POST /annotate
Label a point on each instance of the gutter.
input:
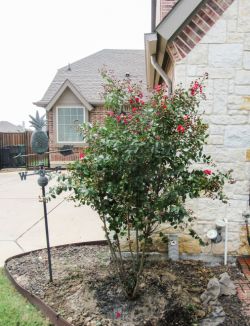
(162, 73)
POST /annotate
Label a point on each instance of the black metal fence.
(18, 144)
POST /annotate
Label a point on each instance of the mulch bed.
(86, 292)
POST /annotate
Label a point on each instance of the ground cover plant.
(14, 309)
(140, 166)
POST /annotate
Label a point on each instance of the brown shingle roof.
(85, 73)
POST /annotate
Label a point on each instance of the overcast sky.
(40, 36)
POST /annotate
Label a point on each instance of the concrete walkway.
(22, 224)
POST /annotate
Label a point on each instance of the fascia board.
(150, 49)
(177, 17)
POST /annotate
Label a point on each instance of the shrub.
(138, 169)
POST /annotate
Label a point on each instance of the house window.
(68, 121)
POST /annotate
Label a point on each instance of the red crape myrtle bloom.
(81, 156)
(110, 113)
(207, 172)
(180, 129)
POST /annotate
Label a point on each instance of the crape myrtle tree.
(139, 168)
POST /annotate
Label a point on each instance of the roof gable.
(74, 90)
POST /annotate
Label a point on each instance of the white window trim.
(69, 107)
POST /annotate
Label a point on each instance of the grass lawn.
(14, 309)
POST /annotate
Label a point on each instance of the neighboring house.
(193, 37)
(6, 126)
(75, 96)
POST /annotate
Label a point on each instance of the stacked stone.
(224, 53)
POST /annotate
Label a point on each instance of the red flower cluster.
(110, 113)
(81, 156)
(207, 172)
(158, 88)
(196, 87)
(180, 129)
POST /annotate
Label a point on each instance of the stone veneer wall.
(225, 54)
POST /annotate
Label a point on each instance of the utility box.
(173, 247)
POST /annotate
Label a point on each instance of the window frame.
(57, 122)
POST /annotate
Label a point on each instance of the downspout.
(153, 15)
(162, 73)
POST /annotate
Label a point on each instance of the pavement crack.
(34, 224)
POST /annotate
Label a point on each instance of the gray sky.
(40, 36)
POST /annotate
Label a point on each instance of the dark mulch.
(86, 292)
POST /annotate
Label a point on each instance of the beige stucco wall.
(225, 54)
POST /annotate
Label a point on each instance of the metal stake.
(47, 233)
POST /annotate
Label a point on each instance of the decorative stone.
(248, 155)
(246, 103)
(227, 287)
(242, 77)
(225, 55)
(198, 55)
(237, 136)
(212, 293)
(246, 60)
(243, 16)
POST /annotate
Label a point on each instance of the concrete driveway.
(22, 223)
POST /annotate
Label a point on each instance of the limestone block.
(199, 55)
(231, 86)
(242, 90)
(242, 77)
(246, 60)
(232, 25)
(237, 136)
(241, 187)
(235, 37)
(220, 86)
(216, 73)
(226, 155)
(210, 210)
(244, 248)
(216, 140)
(216, 130)
(243, 17)
(239, 170)
(220, 104)
(247, 41)
(228, 120)
(180, 73)
(245, 105)
(234, 99)
(189, 245)
(225, 55)
(192, 70)
(206, 107)
(248, 155)
(217, 34)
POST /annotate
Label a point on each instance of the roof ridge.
(98, 53)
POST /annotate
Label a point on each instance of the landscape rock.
(227, 287)
(212, 293)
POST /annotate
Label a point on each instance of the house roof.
(182, 28)
(6, 126)
(84, 75)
